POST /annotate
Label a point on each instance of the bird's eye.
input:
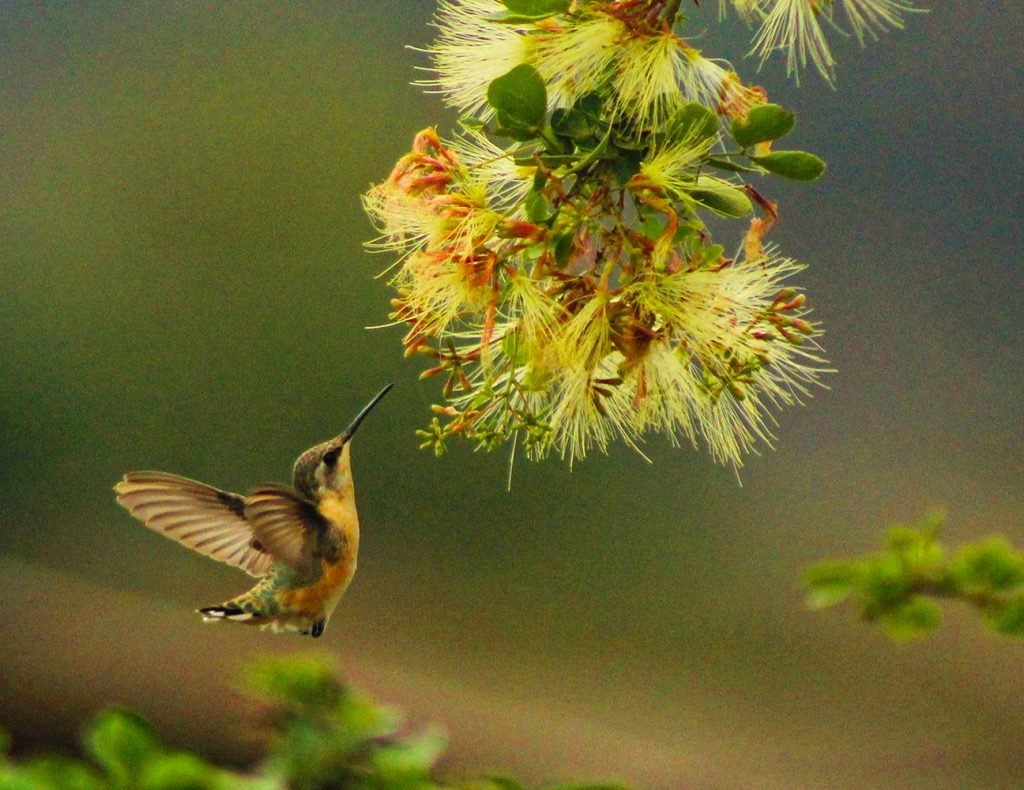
(331, 457)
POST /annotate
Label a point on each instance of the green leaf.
(626, 165)
(1007, 618)
(913, 619)
(178, 771)
(295, 680)
(508, 126)
(886, 583)
(830, 583)
(538, 209)
(121, 743)
(563, 248)
(721, 197)
(622, 141)
(711, 255)
(515, 351)
(573, 123)
(520, 99)
(763, 122)
(823, 595)
(472, 122)
(688, 228)
(991, 565)
(653, 226)
(529, 10)
(411, 759)
(590, 105)
(691, 122)
(918, 550)
(51, 773)
(902, 538)
(797, 165)
(551, 161)
(684, 233)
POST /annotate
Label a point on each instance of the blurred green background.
(183, 287)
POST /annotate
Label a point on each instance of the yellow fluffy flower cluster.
(566, 284)
(612, 333)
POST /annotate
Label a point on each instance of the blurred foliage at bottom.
(322, 735)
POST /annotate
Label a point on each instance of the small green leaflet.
(531, 10)
(763, 122)
(798, 165)
(520, 99)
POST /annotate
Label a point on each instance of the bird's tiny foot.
(318, 629)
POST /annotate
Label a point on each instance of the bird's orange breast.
(323, 594)
(320, 598)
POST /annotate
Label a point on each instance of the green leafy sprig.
(900, 587)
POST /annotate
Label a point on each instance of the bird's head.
(327, 466)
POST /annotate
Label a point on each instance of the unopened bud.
(796, 302)
(430, 373)
(783, 296)
(426, 140)
(796, 340)
(519, 229)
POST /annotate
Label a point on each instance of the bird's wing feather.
(288, 526)
(204, 518)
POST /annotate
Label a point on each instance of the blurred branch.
(899, 586)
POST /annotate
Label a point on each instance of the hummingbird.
(301, 540)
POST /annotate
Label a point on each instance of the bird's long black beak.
(351, 429)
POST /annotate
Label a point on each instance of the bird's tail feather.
(231, 613)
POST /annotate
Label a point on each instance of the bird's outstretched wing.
(291, 528)
(199, 516)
